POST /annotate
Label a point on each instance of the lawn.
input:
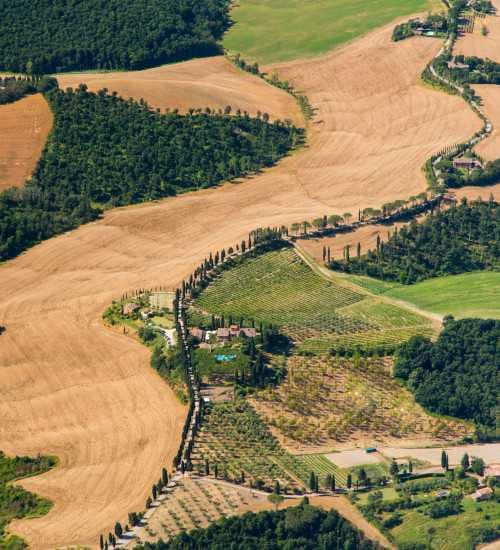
(282, 30)
(466, 295)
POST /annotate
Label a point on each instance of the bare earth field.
(476, 44)
(24, 127)
(489, 149)
(211, 82)
(71, 388)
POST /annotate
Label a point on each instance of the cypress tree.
(349, 481)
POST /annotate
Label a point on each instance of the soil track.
(212, 82)
(24, 127)
(71, 388)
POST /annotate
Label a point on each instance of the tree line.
(13, 88)
(104, 151)
(302, 526)
(466, 237)
(459, 374)
(67, 35)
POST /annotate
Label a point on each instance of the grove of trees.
(303, 526)
(12, 88)
(463, 238)
(65, 35)
(104, 151)
(459, 374)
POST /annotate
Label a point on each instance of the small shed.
(482, 494)
(130, 308)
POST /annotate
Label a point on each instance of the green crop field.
(317, 314)
(282, 30)
(466, 295)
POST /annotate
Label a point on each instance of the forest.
(463, 238)
(104, 151)
(459, 374)
(50, 36)
(303, 526)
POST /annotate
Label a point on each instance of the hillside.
(90, 396)
(458, 240)
(140, 154)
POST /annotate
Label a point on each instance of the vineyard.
(237, 446)
(324, 401)
(322, 467)
(318, 315)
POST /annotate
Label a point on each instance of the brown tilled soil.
(24, 127)
(482, 46)
(72, 388)
(489, 148)
(213, 82)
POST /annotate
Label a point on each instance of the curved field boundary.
(109, 403)
(24, 128)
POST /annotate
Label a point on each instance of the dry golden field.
(211, 82)
(489, 148)
(483, 46)
(24, 127)
(71, 388)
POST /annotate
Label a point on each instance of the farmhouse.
(493, 471)
(455, 65)
(223, 335)
(466, 163)
(130, 308)
(482, 494)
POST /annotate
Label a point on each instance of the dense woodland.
(459, 375)
(463, 238)
(303, 526)
(49, 36)
(104, 151)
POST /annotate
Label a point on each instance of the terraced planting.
(324, 401)
(196, 503)
(318, 315)
(234, 440)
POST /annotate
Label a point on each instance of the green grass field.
(457, 532)
(467, 295)
(318, 314)
(269, 31)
